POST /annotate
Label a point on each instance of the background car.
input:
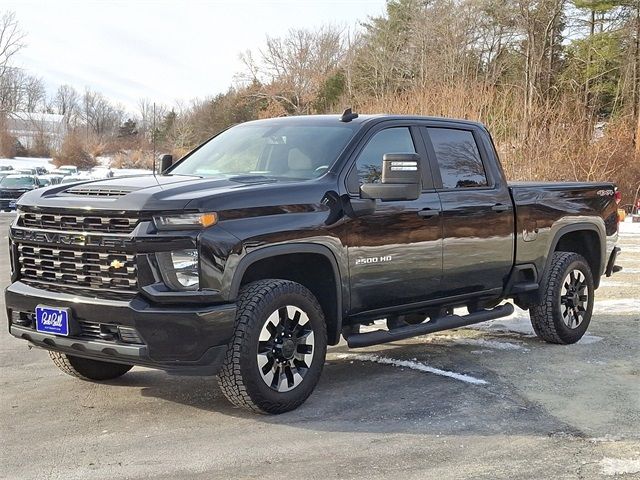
(60, 172)
(25, 171)
(50, 179)
(12, 187)
(76, 178)
(73, 170)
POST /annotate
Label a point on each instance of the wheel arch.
(585, 239)
(311, 265)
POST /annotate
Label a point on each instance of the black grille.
(77, 223)
(99, 192)
(95, 270)
(90, 330)
(13, 194)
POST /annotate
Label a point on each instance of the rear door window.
(458, 158)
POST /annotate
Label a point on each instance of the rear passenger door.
(477, 211)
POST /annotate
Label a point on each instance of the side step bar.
(359, 340)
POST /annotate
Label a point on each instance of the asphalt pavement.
(491, 402)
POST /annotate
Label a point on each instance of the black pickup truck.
(277, 237)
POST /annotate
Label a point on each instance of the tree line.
(556, 81)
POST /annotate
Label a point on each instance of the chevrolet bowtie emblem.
(117, 264)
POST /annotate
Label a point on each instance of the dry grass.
(552, 142)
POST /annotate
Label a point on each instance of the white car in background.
(50, 179)
(83, 177)
(72, 169)
(101, 172)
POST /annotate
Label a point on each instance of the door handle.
(427, 212)
(499, 207)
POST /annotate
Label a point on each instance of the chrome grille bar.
(78, 268)
(77, 223)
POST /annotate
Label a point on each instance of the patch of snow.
(478, 342)
(611, 283)
(27, 162)
(629, 227)
(621, 305)
(633, 271)
(517, 322)
(607, 438)
(589, 339)
(413, 365)
(629, 249)
(619, 466)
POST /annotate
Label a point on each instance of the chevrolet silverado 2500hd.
(277, 237)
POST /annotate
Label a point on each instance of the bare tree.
(34, 94)
(147, 109)
(66, 102)
(11, 40)
(295, 66)
(99, 115)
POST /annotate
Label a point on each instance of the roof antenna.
(348, 115)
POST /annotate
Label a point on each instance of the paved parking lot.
(487, 402)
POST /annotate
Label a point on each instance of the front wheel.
(276, 355)
(564, 313)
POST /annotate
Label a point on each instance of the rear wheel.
(88, 369)
(275, 358)
(564, 314)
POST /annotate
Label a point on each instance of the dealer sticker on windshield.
(52, 320)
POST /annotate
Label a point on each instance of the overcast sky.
(162, 50)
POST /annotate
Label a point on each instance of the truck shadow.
(355, 396)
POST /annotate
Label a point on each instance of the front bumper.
(8, 204)
(181, 339)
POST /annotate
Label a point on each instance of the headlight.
(188, 220)
(179, 269)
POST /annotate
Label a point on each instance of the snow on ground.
(413, 365)
(475, 342)
(629, 228)
(613, 283)
(618, 305)
(619, 466)
(104, 162)
(27, 162)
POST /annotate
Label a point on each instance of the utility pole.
(153, 137)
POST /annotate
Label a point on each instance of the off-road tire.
(239, 378)
(546, 317)
(87, 369)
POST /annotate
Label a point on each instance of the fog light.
(22, 319)
(179, 269)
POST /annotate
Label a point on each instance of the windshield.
(300, 152)
(16, 182)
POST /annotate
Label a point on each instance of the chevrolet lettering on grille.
(67, 239)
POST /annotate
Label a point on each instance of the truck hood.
(146, 193)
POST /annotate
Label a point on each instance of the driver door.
(395, 254)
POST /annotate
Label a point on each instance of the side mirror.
(401, 179)
(165, 162)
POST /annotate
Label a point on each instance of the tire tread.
(92, 371)
(230, 378)
(542, 315)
